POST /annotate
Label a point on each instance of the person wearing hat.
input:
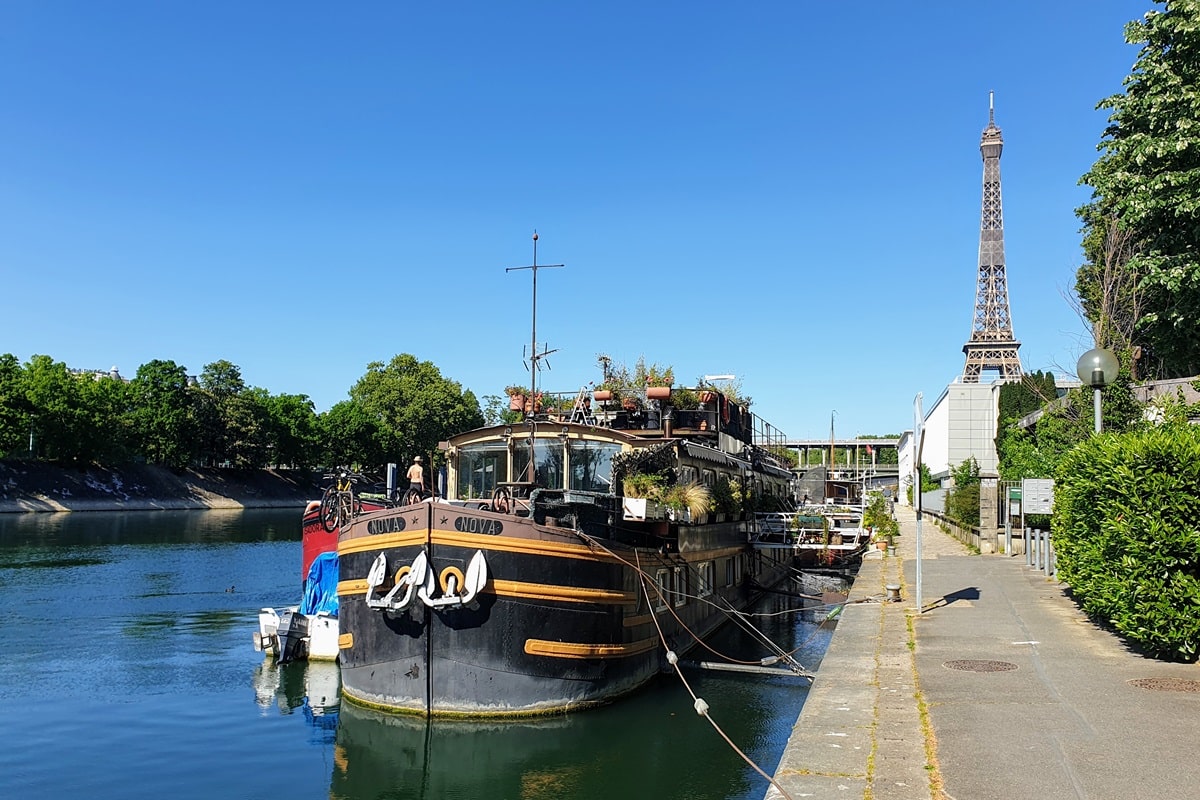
(416, 476)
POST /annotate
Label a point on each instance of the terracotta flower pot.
(602, 394)
(658, 392)
(516, 402)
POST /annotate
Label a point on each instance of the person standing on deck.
(416, 475)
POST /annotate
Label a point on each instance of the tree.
(1146, 186)
(416, 405)
(162, 415)
(351, 435)
(14, 407)
(493, 409)
(105, 433)
(962, 503)
(294, 430)
(56, 405)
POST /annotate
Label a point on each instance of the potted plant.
(687, 502)
(887, 531)
(643, 496)
(517, 397)
(658, 380)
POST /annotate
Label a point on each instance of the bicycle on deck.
(339, 503)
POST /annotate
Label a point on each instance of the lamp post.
(1097, 368)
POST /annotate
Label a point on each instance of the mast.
(534, 356)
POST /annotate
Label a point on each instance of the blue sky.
(786, 191)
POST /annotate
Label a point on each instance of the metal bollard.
(1028, 550)
(1008, 539)
(1051, 568)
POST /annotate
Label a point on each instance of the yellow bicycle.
(339, 504)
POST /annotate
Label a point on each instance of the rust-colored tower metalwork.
(992, 345)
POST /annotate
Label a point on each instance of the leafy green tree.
(56, 405)
(247, 429)
(1021, 398)
(962, 503)
(1146, 192)
(14, 407)
(353, 436)
(294, 430)
(493, 409)
(416, 405)
(928, 484)
(105, 434)
(221, 416)
(162, 415)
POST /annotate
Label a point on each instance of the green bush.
(1127, 535)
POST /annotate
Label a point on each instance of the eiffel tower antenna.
(534, 355)
(992, 344)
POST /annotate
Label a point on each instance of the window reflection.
(591, 465)
(547, 466)
(480, 468)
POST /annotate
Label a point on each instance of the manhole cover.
(1167, 684)
(973, 665)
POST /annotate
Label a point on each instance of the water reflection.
(313, 688)
(651, 744)
(150, 527)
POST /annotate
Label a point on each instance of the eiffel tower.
(991, 345)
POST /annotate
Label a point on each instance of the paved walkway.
(1001, 688)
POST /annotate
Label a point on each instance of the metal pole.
(918, 446)
(1028, 545)
(1096, 406)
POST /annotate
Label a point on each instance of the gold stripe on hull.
(361, 544)
(476, 541)
(357, 586)
(569, 594)
(526, 591)
(542, 647)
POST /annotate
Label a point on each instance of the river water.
(127, 671)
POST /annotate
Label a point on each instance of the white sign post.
(918, 446)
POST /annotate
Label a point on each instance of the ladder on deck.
(581, 412)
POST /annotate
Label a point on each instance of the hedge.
(1127, 535)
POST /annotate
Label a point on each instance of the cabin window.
(688, 475)
(681, 587)
(710, 478)
(705, 588)
(663, 578)
(547, 462)
(480, 467)
(729, 574)
(591, 465)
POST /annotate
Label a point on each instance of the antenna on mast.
(534, 355)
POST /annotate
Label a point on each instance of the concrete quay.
(1000, 688)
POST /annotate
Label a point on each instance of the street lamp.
(1097, 368)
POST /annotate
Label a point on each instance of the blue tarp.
(320, 587)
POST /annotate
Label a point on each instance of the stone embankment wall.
(35, 486)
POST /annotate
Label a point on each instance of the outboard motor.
(293, 636)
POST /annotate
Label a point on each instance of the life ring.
(447, 574)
